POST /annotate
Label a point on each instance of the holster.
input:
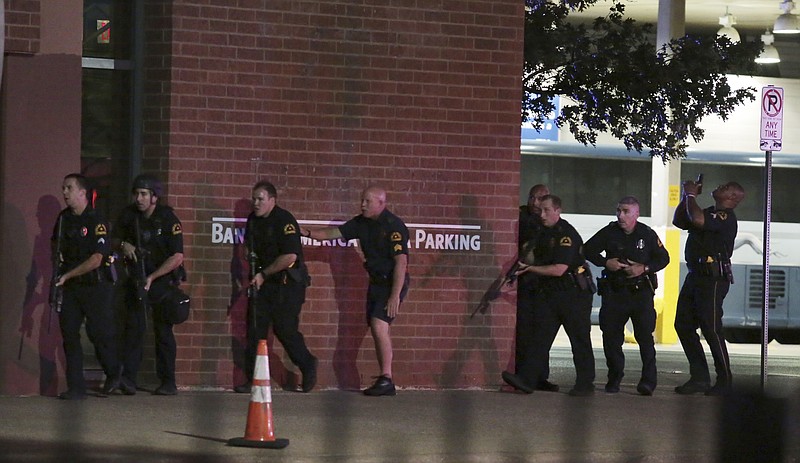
(603, 286)
(109, 268)
(716, 268)
(582, 277)
(300, 275)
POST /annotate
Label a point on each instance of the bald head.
(373, 202)
(729, 195)
(535, 195)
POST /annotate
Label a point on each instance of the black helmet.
(147, 182)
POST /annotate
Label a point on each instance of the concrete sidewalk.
(414, 426)
(423, 426)
(430, 426)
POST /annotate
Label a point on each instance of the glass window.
(752, 179)
(588, 185)
(105, 136)
(106, 108)
(593, 185)
(107, 29)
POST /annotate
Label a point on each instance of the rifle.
(494, 290)
(56, 297)
(140, 275)
(252, 262)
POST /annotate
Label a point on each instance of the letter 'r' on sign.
(771, 119)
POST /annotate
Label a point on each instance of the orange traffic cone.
(260, 431)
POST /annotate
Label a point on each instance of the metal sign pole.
(765, 282)
(772, 102)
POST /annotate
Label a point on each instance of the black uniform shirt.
(161, 233)
(715, 238)
(381, 239)
(81, 237)
(642, 245)
(276, 234)
(559, 244)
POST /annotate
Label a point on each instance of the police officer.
(630, 254)
(530, 225)
(709, 247)
(563, 296)
(529, 221)
(280, 281)
(81, 238)
(150, 237)
(383, 239)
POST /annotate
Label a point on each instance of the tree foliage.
(615, 80)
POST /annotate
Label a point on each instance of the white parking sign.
(771, 118)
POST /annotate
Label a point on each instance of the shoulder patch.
(565, 241)
(100, 229)
(660, 244)
(289, 229)
(176, 229)
(396, 236)
(398, 247)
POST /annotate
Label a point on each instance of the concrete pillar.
(665, 193)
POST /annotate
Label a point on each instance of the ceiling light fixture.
(770, 53)
(727, 29)
(787, 23)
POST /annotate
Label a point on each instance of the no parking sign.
(771, 118)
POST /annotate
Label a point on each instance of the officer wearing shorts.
(383, 239)
(630, 254)
(709, 247)
(88, 289)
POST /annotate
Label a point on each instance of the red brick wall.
(23, 21)
(322, 99)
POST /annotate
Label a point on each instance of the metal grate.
(777, 287)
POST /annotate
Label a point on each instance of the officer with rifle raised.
(562, 297)
(150, 238)
(530, 226)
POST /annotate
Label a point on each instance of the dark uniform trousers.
(525, 335)
(572, 309)
(91, 302)
(135, 323)
(700, 305)
(619, 305)
(278, 304)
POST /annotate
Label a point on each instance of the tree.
(616, 81)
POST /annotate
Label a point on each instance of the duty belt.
(561, 283)
(634, 285)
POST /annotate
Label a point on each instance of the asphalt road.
(431, 426)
